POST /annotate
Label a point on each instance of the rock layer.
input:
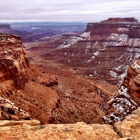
(104, 51)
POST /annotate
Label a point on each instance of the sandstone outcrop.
(13, 62)
(128, 129)
(127, 98)
(12, 71)
(23, 85)
(130, 126)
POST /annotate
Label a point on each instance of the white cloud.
(67, 10)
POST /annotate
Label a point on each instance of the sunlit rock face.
(12, 75)
(22, 85)
(12, 60)
(127, 98)
(104, 51)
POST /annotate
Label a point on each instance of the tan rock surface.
(11, 123)
(130, 127)
(78, 131)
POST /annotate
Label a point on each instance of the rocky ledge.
(128, 129)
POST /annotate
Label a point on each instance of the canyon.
(101, 55)
(73, 83)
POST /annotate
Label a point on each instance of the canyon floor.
(80, 98)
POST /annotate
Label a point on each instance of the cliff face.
(13, 62)
(114, 20)
(127, 98)
(21, 84)
(104, 51)
(115, 25)
(13, 66)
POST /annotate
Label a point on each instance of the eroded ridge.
(127, 98)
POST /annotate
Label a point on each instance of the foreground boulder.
(128, 129)
(78, 131)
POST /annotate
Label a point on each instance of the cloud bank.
(67, 10)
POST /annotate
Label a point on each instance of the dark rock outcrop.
(5, 27)
(114, 20)
(10, 112)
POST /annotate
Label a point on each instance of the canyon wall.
(127, 97)
(104, 51)
(128, 26)
(21, 86)
(13, 62)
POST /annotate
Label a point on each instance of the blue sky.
(67, 10)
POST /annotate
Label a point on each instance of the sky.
(67, 10)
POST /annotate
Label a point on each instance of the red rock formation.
(127, 98)
(103, 54)
(22, 84)
(128, 26)
(69, 96)
(114, 20)
(13, 62)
